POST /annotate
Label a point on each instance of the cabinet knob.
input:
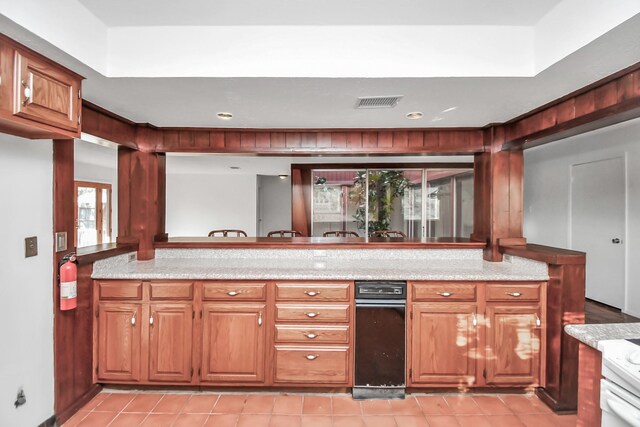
(260, 319)
(312, 315)
(514, 294)
(445, 294)
(311, 356)
(133, 319)
(151, 319)
(475, 320)
(232, 293)
(312, 293)
(27, 93)
(538, 322)
(310, 335)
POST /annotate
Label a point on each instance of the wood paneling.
(611, 100)
(119, 341)
(589, 376)
(170, 342)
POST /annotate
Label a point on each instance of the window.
(419, 202)
(92, 213)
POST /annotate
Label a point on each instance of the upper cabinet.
(38, 98)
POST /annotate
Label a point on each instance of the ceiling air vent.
(378, 101)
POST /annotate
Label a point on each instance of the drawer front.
(172, 290)
(312, 313)
(120, 290)
(229, 291)
(315, 365)
(443, 291)
(312, 334)
(517, 292)
(313, 291)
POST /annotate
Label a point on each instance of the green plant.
(384, 187)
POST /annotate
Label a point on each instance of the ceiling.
(303, 64)
(118, 13)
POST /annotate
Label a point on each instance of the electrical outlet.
(132, 257)
(507, 258)
(21, 399)
(30, 246)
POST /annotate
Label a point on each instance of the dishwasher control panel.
(381, 290)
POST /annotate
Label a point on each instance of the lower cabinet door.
(170, 342)
(233, 343)
(119, 340)
(312, 365)
(513, 344)
(444, 344)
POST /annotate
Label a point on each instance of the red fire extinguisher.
(68, 282)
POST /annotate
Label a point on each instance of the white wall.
(26, 294)
(547, 185)
(95, 163)
(199, 203)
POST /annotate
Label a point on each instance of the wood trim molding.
(611, 100)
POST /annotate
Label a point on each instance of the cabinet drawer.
(317, 365)
(313, 291)
(443, 291)
(120, 290)
(172, 290)
(313, 313)
(507, 292)
(312, 334)
(229, 291)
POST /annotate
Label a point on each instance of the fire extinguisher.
(68, 282)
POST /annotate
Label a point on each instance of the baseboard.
(63, 416)
(49, 422)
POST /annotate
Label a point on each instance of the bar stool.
(389, 233)
(340, 233)
(284, 233)
(227, 233)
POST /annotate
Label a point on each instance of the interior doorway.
(598, 226)
(274, 204)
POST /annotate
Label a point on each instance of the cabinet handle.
(311, 356)
(312, 293)
(260, 319)
(133, 319)
(27, 93)
(445, 294)
(538, 322)
(312, 315)
(310, 335)
(514, 294)
(232, 293)
(475, 320)
(151, 319)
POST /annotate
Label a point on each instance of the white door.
(598, 226)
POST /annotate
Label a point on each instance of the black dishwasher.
(380, 339)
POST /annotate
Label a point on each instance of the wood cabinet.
(119, 341)
(476, 334)
(38, 98)
(313, 333)
(444, 337)
(233, 343)
(170, 342)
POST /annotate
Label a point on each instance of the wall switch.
(61, 241)
(30, 246)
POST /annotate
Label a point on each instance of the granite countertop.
(593, 334)
(245, 264)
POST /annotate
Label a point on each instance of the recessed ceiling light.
(437, 119)
(283, 176)
(415, 115)
(225, 116)
(234, 167)
(449, 109)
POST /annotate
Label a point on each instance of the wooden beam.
(104, 124)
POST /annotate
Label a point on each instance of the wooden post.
(498, 195)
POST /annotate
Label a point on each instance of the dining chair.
(389, 233)
(340, 233)
(284, 233)
(227, 233)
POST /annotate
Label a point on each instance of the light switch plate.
(30, 246)
(61, 241)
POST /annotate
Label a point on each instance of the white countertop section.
(305, 264)
(594, 333)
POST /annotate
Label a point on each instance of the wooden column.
(301, 188)
(73, 334)
(590, 374)
(498, 195)
(141, 195)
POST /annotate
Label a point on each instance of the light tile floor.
(117, 409)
